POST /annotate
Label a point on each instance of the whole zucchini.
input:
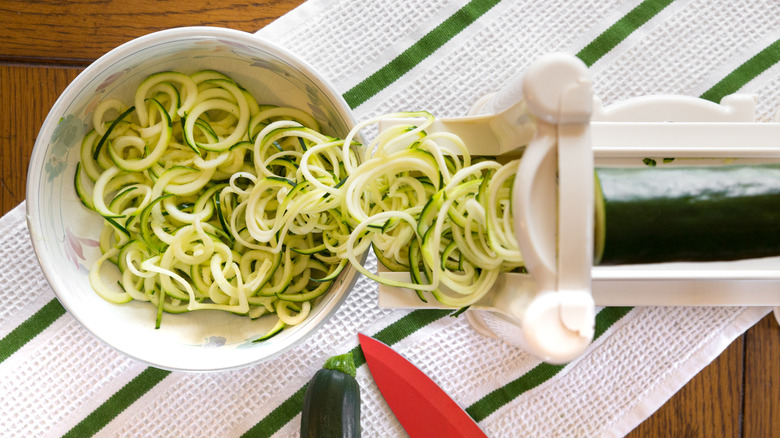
(331, 403)
(687, 213)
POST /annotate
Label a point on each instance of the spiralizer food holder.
(551, 110)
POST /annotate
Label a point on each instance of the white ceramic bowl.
(64, 232)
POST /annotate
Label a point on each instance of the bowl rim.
(36, 164)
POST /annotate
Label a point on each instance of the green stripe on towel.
(30, 328)
(539, 374)
(132, 391)
(280, 416)
(418, 51)
(744, 73)
(622, 28)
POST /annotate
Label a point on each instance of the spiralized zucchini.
(204, 201)
(213, 201)
(430, 212)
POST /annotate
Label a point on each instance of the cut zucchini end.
(343, 362)
(600, 221)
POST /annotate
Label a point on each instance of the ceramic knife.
(421, 406)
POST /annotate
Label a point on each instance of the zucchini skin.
(331, 406)
(697, 213)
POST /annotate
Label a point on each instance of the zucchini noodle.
(211, 200)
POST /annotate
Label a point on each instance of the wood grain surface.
(78, 32)
(45, 44)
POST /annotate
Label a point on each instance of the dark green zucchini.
(331, 403)
(687, 213)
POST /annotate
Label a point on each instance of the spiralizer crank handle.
(553, 207)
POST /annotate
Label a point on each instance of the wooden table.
(44, 45)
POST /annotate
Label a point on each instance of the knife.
(422, 408)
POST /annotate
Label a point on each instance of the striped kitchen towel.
(441, 56)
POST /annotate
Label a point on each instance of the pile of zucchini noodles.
(213, 201)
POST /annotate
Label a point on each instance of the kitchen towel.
(441, 56)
